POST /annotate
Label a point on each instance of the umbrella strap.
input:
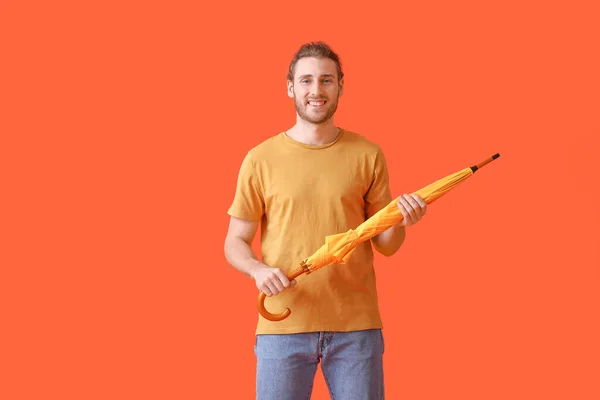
(305, 267)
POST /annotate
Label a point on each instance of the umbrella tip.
(492, 158)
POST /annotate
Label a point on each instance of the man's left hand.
(413, 208)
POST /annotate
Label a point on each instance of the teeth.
(316, 103)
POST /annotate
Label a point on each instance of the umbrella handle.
(261, 297)
(270, 316)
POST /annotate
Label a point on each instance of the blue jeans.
(351, 363)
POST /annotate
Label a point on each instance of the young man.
(314, 180)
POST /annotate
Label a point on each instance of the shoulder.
(362, 143)
(266, 148)
(262, 150)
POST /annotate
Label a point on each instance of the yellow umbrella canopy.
(338, 248)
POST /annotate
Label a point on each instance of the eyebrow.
(322, 75)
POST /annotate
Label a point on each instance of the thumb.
(293, 283)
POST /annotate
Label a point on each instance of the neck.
(313, 134)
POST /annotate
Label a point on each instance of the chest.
(316, 184)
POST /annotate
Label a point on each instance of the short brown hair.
(318, 50)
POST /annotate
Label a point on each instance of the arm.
(388, 242)
(413, 208)
(238, 241)
(378, 196)
(239, 254)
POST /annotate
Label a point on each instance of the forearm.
(240, 255)
(389, 241)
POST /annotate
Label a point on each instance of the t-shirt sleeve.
(248, 201)
(379, 194)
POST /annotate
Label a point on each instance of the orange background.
(123, 128)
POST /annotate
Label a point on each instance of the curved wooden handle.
(270, 316)
(260, 303)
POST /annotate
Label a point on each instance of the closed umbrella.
(338, 248)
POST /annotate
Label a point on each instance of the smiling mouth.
(317, 103)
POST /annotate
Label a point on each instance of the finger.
(421, 202)
(412, 205)
(278, 285)
(415, 206)
(274, 280)
(409, 210)
(272, 288)
(292, 283)
(402, 205)
(283, 278)
(405, 214)
(265, 290)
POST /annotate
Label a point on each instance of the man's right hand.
(271, 281)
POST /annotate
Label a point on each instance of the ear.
(290, 89)
(341, 86)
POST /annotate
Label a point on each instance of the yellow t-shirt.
(302, 193)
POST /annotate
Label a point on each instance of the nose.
(315, 89)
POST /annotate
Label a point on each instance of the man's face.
(315, 89)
